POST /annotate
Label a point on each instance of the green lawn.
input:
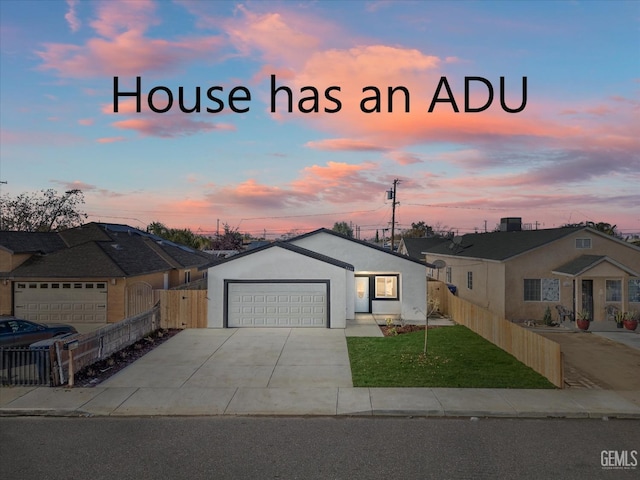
(456, 357)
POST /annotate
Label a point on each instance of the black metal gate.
(25, 366)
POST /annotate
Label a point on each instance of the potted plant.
(619, 318)
(582, 319)
(631, 320)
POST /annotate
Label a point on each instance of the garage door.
(66, 302)
(277, 304)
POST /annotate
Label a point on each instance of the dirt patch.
(93, 375)
(592, 361)
(399, 329)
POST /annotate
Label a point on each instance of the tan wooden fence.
(539, 353)
(183, 308)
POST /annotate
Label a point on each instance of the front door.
(362, 295)
(587, 297)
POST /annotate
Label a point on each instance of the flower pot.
(630, 324)
(582, 324)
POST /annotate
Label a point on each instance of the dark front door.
(587, 297)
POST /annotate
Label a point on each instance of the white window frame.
(546, 290)
(610, 291)
(583, 243)
(634, 290)
(390, 283)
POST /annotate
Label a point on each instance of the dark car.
(17, 332)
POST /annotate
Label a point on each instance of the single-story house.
(93, 274)
(517, 274)
(319, 279)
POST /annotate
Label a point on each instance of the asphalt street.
(316, 448)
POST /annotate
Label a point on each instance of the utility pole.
(391, 195)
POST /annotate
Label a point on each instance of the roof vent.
(117, 246)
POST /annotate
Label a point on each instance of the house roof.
(30, 242)
(100, 250)
(415, 246)
(500, 245)
(361, 242)
(583, 263)
(291, 248)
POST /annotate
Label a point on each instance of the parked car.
(17, 332)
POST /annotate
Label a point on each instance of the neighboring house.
(518, 274)
(414, 248)
(93, 274)
(319, 279)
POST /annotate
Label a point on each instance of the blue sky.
(571, 155)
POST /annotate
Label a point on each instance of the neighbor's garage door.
(277, 305)
(67, 302)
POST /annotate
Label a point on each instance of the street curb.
(46, 412)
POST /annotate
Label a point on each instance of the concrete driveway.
(243, 357)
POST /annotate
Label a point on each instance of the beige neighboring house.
(90, 275)
(518, 274)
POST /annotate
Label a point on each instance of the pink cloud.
(333, 144)
(86, 121)
(71, 16)
(405, 158)
(110, 139)
(122, 47)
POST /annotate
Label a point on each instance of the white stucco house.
(319, 279)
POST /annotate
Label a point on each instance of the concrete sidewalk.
(288, 372)
(430, 402)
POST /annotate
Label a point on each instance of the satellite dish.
(439, 264)
(457, 240)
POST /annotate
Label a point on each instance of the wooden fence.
(183, 308)
(535, 351)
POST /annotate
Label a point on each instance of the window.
(634, 290)
(387, 286)
(583, 243)
(470, 280)
(448, 274)
(187, 276)
(541, 290)
(532, 289)
(614, 290)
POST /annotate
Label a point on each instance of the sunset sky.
(571, 155)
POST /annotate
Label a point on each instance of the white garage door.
(66, 302)
(277, 305)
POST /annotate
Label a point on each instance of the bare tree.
(43, 211)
